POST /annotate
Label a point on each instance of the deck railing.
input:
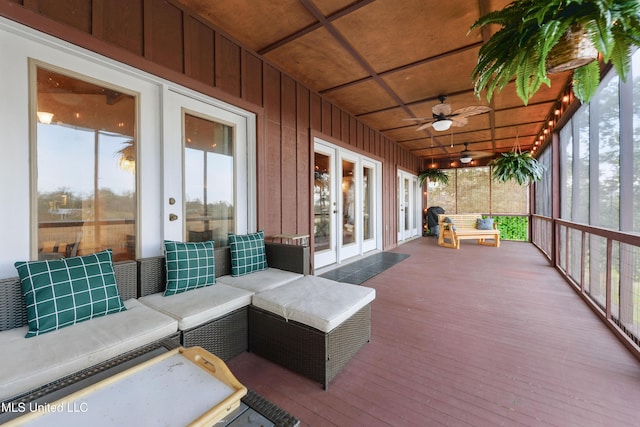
(602, 265)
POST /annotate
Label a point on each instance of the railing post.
(608, 277)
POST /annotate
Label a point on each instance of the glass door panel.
(86, 168)
(350, 206)
(367, 202)
(324, 207)
(348, 202)
(208, 180)
(407, 206)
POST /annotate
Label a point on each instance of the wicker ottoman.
(312, 326)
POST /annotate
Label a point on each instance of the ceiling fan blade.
(471, 111)
(476, 154)
(441, 109)
(458, 121)
(417, 118)
(424, 126)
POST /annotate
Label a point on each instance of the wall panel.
(303, 162)
(75, 13)
(289, 156)
(120, 24)
(227, 65)
(158, 36)
(199, 51)
(252, 78)
(166, 35)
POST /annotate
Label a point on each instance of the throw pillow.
(247, 253)
(189, 265)
(64, 292)
(485, 224)
(450, 221)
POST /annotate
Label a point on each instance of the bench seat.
(464, 226)
(28, 363)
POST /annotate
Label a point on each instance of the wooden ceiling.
(385, 61)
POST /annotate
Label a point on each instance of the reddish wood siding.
(119, 23)
(166, 37)
(199, 51)
(160, 37)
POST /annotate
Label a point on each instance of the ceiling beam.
(339, 14)
(311, 7)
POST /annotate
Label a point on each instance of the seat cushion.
(30, 363)
(315, 301)
(64, 292)
(260, 281)
(199, 306)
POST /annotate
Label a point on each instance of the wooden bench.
(464, 226)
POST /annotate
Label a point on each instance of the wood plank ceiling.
(385, 61)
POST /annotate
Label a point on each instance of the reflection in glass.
(86, 156)
(407, 226)
(208, 180)
(367, 201)
(322, 202)
(348, 203)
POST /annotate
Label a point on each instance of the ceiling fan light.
(465, 159)
(441, 125)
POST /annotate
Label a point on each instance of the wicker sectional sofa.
(219, 318)
(32, 367)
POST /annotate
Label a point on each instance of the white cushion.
(198, 306)
(260, 281)
(320, 303)
(28, 363)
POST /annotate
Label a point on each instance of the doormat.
(362, 270)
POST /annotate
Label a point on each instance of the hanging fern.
(519, 166)
(531, 28)
(434, 175)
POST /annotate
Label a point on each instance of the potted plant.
(533, 32)
(434, 175)
(517, 165)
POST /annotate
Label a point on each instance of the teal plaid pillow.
(64, 292)
(190, 265)
(247, 253)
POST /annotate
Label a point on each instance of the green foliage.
(434, 175)
(518, 166)
(531, 28)
(513, 227)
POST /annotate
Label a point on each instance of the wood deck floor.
(480, 336)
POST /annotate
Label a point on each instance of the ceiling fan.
(443, 118)
(466, 155)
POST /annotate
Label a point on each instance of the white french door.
(209, 172)
(409, 209)
(346, 201)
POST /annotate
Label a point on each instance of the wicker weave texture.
(273, 413)
(306, 350)
(13, 312)
(127, 278)
(225, 337)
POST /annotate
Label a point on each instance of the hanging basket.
(574, 50)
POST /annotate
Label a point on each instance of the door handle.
(173, 217)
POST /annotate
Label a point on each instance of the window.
(85, 150)
(208, 180)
